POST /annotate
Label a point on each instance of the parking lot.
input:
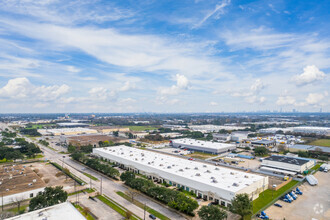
(313, 204)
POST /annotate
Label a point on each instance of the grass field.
(141, 128)
(40, 126)
(90, 176)
(141, 205)
(321, 142)
(114, 206)
(200, 155)
(15, 209)
(267, 196)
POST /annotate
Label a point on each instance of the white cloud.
(251, 95)
(213, 104)
(182, 84)
(101, 94)
(127, 86)
(315, 98)
(22, 88)
(218, 10)
(311, 74)
(286, 100)
(73, 69)
(255, 99)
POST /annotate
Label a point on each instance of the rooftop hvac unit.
(196, 168)
(217, 168)
(181, 170)
(198, 174)
(212, 177)
(7, 190)
(246, 176)
(122, 152)
(168, 167)
(136, 159)
(187, 168)
(34, 180)
(131, 155)
(149, 163)
(161, 165)
(30, 184)
(232, 173)
(235, 184)
(204, 166)
(214, 181)
(208, 171)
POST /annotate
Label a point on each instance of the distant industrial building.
(216, 128)
(67, 131)
(60, 211)
(218, 184)
(202, 146)
(221, 137)
(263, 143)
(310, 148)
(286, 165)
(72, 124)
(110, 129)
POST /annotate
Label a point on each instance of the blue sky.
(164, 56)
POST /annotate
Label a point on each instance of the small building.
(202, 146)
(60, 211)
(263, 143)
(310, 148)
(221, 137)
(285, 163)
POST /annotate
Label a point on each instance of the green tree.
(71, 148)
(211, 212)
(50, 196)
(260, 151)
(241, 205)
(209, 137)
(127, 176)
(115, 133)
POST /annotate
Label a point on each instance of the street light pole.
(101, 186)
(144, 212)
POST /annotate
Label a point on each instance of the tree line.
(172, 198)
(25, 149)
(96, 165)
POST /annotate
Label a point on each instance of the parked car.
(152, 216)
(191, 158)
(278, 205)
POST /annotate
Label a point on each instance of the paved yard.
(313, 204)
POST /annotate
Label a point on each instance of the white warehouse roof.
(203, 177)
(203, 144)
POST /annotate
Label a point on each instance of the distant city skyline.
(164, 56)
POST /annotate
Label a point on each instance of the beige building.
(110, 129)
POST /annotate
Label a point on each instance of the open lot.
(141, 128)
(48, 172)
(313, 204)
(200, 155)
(250, 164)
(321, 142)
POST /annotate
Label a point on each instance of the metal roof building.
(203, 146)
(293, 164)
(210, 182)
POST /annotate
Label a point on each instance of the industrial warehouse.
(202, 146)
(287, 165)
(209, 182)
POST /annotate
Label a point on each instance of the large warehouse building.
(287, 165)
(202, 146)
(210, 182)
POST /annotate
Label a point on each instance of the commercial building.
(218, 184)
(67, 131)
(60, 211)
(18, 183)
(263, 143)
(286, 165)
(202, 146)
(216, 128)
(310, 148)
(72, 124)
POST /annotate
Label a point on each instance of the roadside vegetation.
(68, 173)
(320, 142)
(141, 205)
(49, 197)
(170, 197)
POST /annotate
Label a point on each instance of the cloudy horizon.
(164, 56)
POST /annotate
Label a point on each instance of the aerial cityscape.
(192, 109)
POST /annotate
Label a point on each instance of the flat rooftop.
(211, 175)
(205, 144)
(263, 142)
(60, 211)
(289, 160)
(66, 130)
(18, 178)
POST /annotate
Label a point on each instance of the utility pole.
(90, 183)
(101, 186)
(144, 211)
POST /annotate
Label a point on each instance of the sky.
(61, 56)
